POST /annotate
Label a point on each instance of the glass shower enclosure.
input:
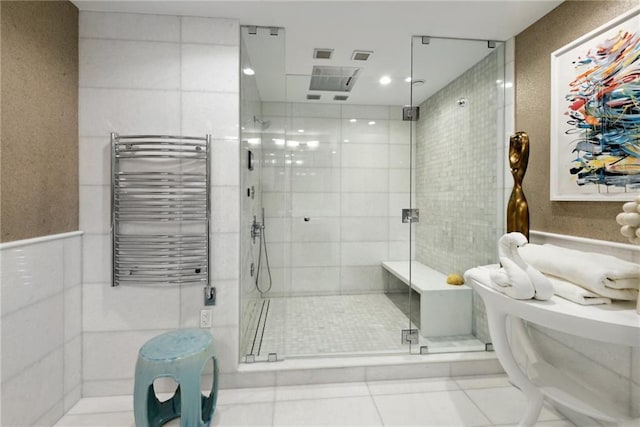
(328, 165)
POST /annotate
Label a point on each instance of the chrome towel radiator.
(160, 209)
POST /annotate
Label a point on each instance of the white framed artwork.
(595, 114)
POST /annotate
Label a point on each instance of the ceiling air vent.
(313, 96)
(340, 98)
(322, 53)
(333, 79)
(361, 55)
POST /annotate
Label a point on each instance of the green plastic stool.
(182, 355)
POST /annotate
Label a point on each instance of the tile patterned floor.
(458, 401)
(322, 325)
(343, 324)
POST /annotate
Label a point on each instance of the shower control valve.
(256, 229)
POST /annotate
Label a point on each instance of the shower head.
(264, 123)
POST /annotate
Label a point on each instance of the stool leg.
(209, 403)
(140, 402)
(166, 411)
(191, 401)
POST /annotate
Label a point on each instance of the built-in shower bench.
(445, 310)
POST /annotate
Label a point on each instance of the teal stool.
(181, 355)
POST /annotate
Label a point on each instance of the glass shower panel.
(262, 170)
(332, 176)
(349, 171)
(459, 142)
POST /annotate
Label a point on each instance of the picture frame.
(595, 114)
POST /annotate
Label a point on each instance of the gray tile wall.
(459, 174)
(456, 172)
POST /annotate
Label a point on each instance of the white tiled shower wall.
(41, 328)
(153, 74)
(334, 210)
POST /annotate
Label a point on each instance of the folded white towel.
(512, 280)
(542, 285)
(517, 279)
(575, 293)
(605, 275)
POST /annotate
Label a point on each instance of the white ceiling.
(384, 27)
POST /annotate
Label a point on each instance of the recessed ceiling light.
(408, 80)
(301, 130)
(333, 152)
(313, 144)
(385, 80)
(346, 140)
(372, 122)
(248, 71)
(353, 120)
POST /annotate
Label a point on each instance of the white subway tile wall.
(333, 207)
(153, 74)
(41, 328)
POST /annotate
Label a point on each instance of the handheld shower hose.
(263, 243)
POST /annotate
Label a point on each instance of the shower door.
(262, 168)
(457, 92)
(338, 205)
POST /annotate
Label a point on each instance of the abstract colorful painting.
(595, 121)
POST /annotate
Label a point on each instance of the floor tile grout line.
(375, 404)
(274, 401)
(368, 384)
(321, 398)
(478, 406)
(417, 392)
(75, 414)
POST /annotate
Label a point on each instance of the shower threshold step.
(451, 344)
